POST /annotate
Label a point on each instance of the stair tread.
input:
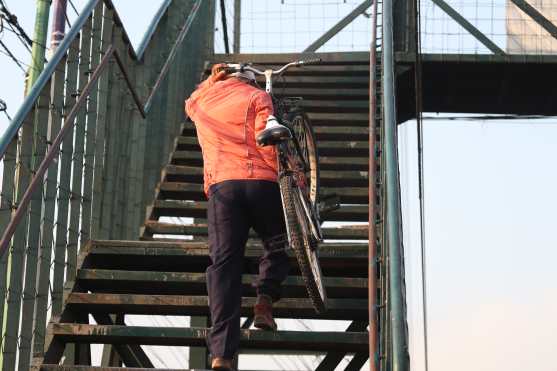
(100, 368)
(339, 309)
(337, 259)
(191, 336)
(198, 209)
(194, 283)
(331, 233)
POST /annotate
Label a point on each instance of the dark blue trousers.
(234, 207)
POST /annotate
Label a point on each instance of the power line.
(12, 56)
(12, 19)
(73, 7)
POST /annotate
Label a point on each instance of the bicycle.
(298, 181)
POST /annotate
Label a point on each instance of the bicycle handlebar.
(246, 67)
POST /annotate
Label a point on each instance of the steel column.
(394, 228)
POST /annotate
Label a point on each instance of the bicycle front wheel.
(302, 242)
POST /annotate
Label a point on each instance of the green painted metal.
(120, 127)
(49, 202)
(64, 194)
(82, 164)
(152, 28)
(17, 253)
(33, 237)
(104, 90)
(44, 77)
(76, 197)
(6, 206)
(393, 223)
(91, 130)
(114, 105)
(39, 40)
(182, 305)
(253, 339)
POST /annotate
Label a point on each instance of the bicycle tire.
(303, 245)
(299, 124)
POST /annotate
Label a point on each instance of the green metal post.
(33, 238)
(104, 87)
(91, 131)
(79, 151)
(394, 228)
(49, 203)
(7, 203)
(39, 41)
(16, 259)
(64, 185)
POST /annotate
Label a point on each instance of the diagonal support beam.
(339, 26)
(132, 354)
(538, 17)
(332, 359)
(469, 26)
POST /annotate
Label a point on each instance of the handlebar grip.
(310, 61)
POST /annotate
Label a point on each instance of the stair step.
(337, 259)
(193, 158)
(343, 163)
(289, 80)
(194, 283)
(341, 133)
(198, 209)
(99, 368)
(194, 192)
(192, 336)
(348, 106)
(179, 305)
(324, 94)
(339, 233)
(344, 148)
(192, 174)
(338, 119)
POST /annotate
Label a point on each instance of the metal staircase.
(163, 274)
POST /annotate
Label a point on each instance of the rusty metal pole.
(58, 23)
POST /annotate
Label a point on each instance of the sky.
(489, 194)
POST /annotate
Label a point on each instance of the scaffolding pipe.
(58, 23)
(396, 298)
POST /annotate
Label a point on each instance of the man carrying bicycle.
(240, 180)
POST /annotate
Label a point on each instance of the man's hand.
(218, 72)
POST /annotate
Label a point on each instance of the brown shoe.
(222, 364)
(263, 313)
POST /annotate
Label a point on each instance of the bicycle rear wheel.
(302, 242)
(303, 132)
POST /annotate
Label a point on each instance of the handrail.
(54, 148)
(151, 29)
(166, 67)
(42, 80)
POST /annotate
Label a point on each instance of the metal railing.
(84, 152)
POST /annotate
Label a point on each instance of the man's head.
(218, 72)
(246, 76)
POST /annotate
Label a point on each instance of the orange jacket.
(228, 114)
